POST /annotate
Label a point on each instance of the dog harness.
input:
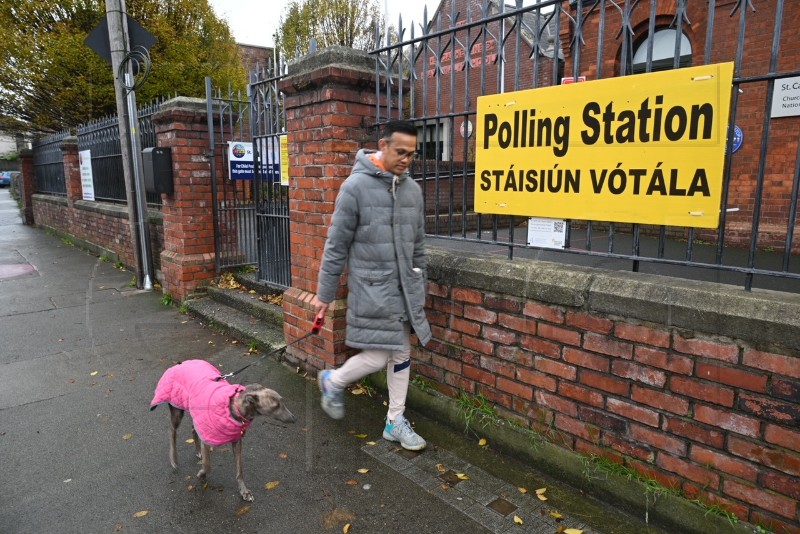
(193, 386)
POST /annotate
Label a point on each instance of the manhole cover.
(502, 506)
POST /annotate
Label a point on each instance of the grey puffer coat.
(378, 230)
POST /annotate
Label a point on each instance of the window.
(663, 51)
(433, 141)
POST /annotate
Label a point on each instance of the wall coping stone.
(767, 318)
(333, 56)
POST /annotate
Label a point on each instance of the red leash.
(319, 320)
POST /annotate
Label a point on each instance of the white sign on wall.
(545, 232)
(87, 180)
(786, 97)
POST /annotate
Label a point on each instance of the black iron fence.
(48, 164)
(101, 137)
(433, 74)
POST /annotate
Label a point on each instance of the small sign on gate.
(240, 160)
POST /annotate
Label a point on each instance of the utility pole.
(131, 157)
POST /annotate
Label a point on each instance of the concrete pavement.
(82, 453)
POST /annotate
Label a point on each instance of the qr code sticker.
(558, 226)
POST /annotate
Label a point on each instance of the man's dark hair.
(404, 127)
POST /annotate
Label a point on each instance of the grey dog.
(221, 412)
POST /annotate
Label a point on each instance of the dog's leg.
(196, 443)
(175, 417)
(237, 456)
(205, 456)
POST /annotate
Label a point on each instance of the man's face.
(398, 152)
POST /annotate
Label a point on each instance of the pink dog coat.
(191, 386)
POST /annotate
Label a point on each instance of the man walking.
(378, 231)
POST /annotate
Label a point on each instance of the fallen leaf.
(361, 436)
(573, 531)
(127, 436)
(482, 442)
(445, 487)
(118, 527)
(190, 440)
(141, 513)
(363, 470)
(283, 455)
(346, 528)
(235, 342)
(556, 515)
(210, 342)
(271, 485)
(357, 391)
(518, 520)
(540, 494)
(371, 443)
(190, 488)
(441, 468)
(93, 373)
(462, 476)
(241, 511)
(352, 482)
(522, 490)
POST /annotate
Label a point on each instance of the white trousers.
(368, 361)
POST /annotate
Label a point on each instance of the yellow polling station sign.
(648, 149)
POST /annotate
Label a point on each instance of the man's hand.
(319, 306)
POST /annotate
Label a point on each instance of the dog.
(221, 412)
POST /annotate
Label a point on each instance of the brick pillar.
(187, 261)
(27, 186)
(330, 106)
(72, 172)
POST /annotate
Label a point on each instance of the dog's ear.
(250, 404)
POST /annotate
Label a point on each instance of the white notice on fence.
(549, 233)
(786, 97)
(87, 180)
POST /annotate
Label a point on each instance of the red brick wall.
(688, 403)
(330, 106)
(781, 143)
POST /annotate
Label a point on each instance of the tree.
(50, 80)
(350, 23)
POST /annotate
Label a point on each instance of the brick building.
(460, 59)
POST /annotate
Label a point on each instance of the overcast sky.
(255, 21)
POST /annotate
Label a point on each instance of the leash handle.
(319, 320)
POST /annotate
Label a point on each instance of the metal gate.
(233, 199)
(268, 127)
(251, 209)
(481, 47)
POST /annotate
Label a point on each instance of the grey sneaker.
(401, 431)
(332, 401)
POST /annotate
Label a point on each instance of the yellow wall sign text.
(648, 148)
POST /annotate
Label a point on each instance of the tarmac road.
(82, 453)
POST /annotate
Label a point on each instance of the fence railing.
(434, 72)
(101, 137)
(48, 164)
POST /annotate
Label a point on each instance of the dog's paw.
(246, 495)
